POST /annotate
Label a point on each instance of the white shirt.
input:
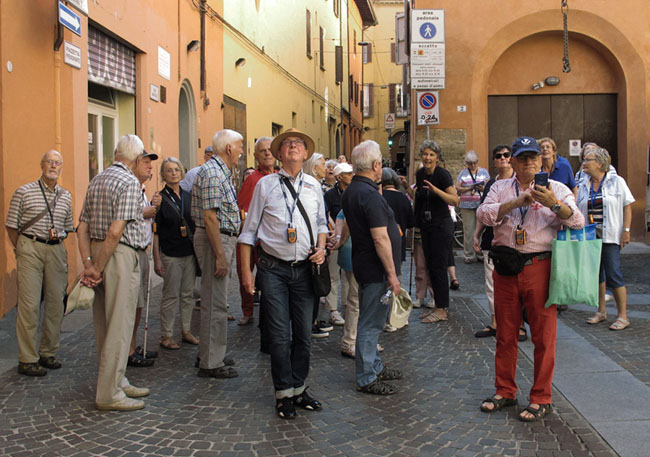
(268, 217)
(616, 196)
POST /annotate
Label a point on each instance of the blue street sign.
(427, 30)
(69, 19)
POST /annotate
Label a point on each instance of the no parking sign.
(428, 107)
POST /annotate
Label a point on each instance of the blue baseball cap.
(525, 144)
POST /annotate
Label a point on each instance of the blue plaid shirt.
(213, 189)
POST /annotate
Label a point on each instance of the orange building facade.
(153, 68)
(496, 55)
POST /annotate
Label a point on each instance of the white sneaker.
(609, 297)
(125, 404)
(418, 303)
(135, 392)
(430, 304)
(389, 328)
(336, 318)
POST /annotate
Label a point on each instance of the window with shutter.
(392, 52)
(338, 53)
(308, 34)
(391, 98)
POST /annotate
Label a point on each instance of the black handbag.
(507, 261)
(320, 274)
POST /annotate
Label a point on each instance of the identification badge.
(520, 236)
(242, 215)
(53, 235)
(427, 216)
(183, 231)
(292, 235)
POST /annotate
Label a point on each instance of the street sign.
(69, 19)
(428, 108)
(389, 120)
(80, 5)
(427, 26)
(72, 55)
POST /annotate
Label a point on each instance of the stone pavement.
(447, 374)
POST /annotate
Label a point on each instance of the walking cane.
(412, 254)
(146, 313)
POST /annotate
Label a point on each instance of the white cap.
(342, 168)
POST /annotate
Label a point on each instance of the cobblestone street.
(447, 374)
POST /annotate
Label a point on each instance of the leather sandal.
(487, 331)
(170, 344)
(620, 324)
(377, 387)
(136, 360)
(389, 374)
(306, 401)
(433, 317)
(150, 354)
(189, 338)
(499, 403)
(538, 413)
(597, 318)
(285, 408)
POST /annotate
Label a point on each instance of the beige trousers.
(40, 267)
(332, 299)
(114, 316)
(214, 294)
(351, 312)
(488, 266)
(178, 285)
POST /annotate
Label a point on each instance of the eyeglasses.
(588, 160)
(56, 163)
(499, 155)
(293, 142)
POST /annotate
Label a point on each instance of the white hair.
(223, 138)
(171, 160)
(260, 139)
(331, 163)
(129, 148)
(310, 163)
(471, 156)
(364, 155)
(51, 151)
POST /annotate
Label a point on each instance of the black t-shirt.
(428, 201)
(403, 212)
(365, 209)
(333, 201)
(168, 223)
(488, 232)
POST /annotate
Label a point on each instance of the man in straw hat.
(284, 267)
(111, 233)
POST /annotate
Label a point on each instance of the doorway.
(186, 126)
(102, 138)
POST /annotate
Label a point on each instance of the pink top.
(540, 223)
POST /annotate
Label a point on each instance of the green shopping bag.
(575, 266)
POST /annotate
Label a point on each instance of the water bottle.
(386, 298)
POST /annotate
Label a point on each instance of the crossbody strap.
(39, 216)
(300, 208)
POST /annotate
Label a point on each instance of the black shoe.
(136, 360)
(150, 354)
(318, 333)
(221, 372)
(522, 336)
(325, 326)
(49, 362)
(487, 331)
(285, 408)
(227, 361)
(31, 369)
(306, 401)
(377, 387)
(389, 374)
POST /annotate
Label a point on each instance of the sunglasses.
(504, 155)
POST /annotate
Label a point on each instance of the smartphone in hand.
(541, 179)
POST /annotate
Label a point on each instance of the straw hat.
(277, 141)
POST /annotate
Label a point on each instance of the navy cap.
(525, 144)
(208, 149)
(151, 155)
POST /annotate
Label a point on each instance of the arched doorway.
(186, 126)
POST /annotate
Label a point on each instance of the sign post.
(427, 49)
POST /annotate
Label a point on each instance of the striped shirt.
(213, 189)
(115, 195)
(540, 223)
(28, 202)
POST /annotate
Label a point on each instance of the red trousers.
(511, 293)
(246, 297)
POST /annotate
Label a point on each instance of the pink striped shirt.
(540, 223)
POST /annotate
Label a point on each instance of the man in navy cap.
(525, 218)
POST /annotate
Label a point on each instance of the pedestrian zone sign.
(427, 26)
(428, 108)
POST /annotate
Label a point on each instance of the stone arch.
(187, 125)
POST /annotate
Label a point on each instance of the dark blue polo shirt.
(563, 173)
(364, 209)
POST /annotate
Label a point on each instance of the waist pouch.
(507, 261)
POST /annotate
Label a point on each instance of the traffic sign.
(389, 120)
(428, 108)
(427, 26)
(69, 19)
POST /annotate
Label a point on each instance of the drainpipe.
(57, 80)
(203, 47)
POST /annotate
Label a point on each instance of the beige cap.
(81, 297)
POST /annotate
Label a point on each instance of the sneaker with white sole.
(135, 392)
(336, 318)
(389, 328)
(324, 326)
(125, 404)
(318, 333)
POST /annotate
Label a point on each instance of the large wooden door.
(587, 117)
(234, 118)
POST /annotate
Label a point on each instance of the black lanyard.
(56, 194)
(593, 195)
(291, 209)
(171, 197)
(522, 211)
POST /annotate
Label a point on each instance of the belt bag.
(507, 261)
(320, 274)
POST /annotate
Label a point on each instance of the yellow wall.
(282, 78)
(505, 49)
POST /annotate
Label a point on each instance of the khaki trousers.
(40, 267)
(332, 299)
(351, 312)
(114, 316)
(214, 294)
(178, 285)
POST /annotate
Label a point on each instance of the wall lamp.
(240, 62)
(549, 81)
(193, 45)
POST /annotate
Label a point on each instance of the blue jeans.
(287, 301)
(372, 317)
(610, 266)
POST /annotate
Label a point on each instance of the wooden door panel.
(534, 115)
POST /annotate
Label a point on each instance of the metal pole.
(146, 313)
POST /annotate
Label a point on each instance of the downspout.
(203, 49)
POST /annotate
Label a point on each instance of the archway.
(186, 126)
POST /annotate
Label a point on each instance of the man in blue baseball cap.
(525, 218)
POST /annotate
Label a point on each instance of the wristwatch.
(557, 207)
(627, 229)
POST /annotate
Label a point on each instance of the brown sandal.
(168, 343)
